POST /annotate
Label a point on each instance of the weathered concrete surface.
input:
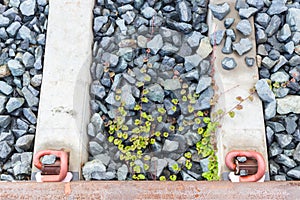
(64, 102)
(246, 131)
(150, 190)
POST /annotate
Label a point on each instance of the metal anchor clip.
(250, 166)
(55, 172)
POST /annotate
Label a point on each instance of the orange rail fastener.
(62, 155)
(229, 161)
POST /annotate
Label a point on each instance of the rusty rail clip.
(252, 169)
(245, 168)
(55, 172)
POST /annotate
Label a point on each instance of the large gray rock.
(13, 28)
(99, 22)
(192, 61)
(95, 148)
(3, 100)
(204, 83)
(245, 13)
(288, 104)
(273, 26)
(127, 97)
(91, 168)
(30, 98)
(14, 103)
(256, 3)
(155, 44)
(243, 46)
(244, 27)
(171, 84)
(27, 7)
(156, 93)
(5, 88)
(228, 63)
(285, 160)
(284, 33)
(283, 139)
(5, 151)
(280, 77)
(217, 37)
(184, 11)
(25, 142)
(15, 67)
(263, 90)
(219, 11)
(4, 21)
(262, 19)
(30, 116)
(270, 110)
(170, 145)
(157, 166)
(148, 12)
(4, 121)
(48, 159)
(122, 172)
(294, 173)
(296, 154)
(277, 7)
(293, 19)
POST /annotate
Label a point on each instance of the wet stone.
(228, 63)
(219, 11)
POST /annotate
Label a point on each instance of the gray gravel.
(23, 30)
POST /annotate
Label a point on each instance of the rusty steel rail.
(150, 190)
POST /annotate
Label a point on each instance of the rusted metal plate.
(150, 190)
